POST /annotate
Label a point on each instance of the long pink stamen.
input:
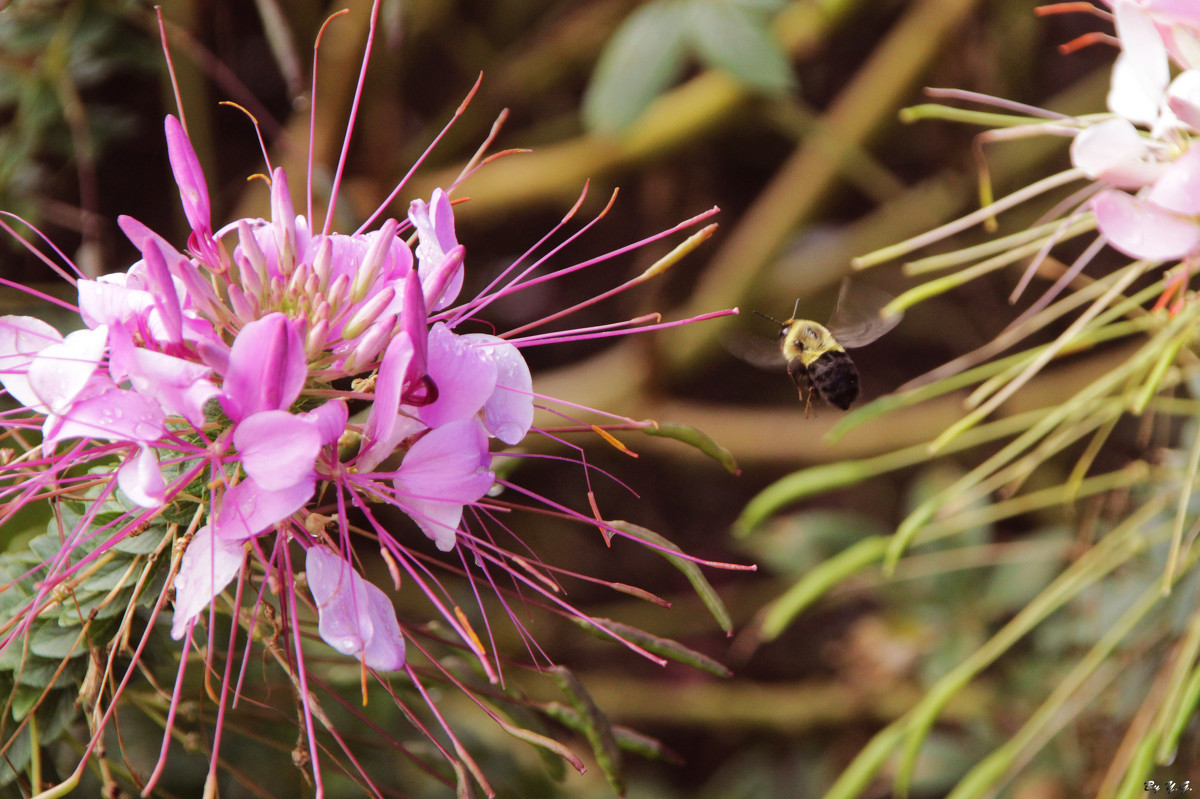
(341, 165)
(421, 159)
(43, 258)
(550, 338)
(312, 112)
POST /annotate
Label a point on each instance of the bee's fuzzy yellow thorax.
(806, 340)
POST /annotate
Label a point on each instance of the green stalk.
(1111, 552)
(983, 778)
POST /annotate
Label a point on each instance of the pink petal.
(249, 509)
(1114, 151)
(140, 479)
(330, 420)
(435, 231)
(464, 375)
(267, 368)
(445, 280)
(1183, 97)
(277, 449)
(1141, 73)
(109, 301)
(193, 191)
(162, 289)
(112, 414)
(381, 419)
(356, 618)
(414, 324)
(1143, 230)
(181, 387)
(207, 566)
(1176, 12)
(200, 292)
(508, 412)
(444, 470)
(21, 339)
(1178, 190)
(60, 371)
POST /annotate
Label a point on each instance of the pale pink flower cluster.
(1144, 152)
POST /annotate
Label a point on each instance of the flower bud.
(243, 306)
(367, 350)
(254, 278)
(283, 219)
(337, 291)
(314, 342)
(323, 262)
(367, 314)
(298, 279)
(373, 261)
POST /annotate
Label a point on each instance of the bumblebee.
(816, 355)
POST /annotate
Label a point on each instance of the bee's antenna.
(795, 307)
(769, 318)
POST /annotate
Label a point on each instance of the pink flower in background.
(1160, 222)
(1163, 224)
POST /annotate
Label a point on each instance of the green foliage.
(651, 50)
(51, 674)
(50, 54)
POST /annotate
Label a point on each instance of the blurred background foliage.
(1027, 634)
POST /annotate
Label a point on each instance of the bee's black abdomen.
(835, 378)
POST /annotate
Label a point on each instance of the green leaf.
(689, 568)
(596, 727)
(16, 756)
(627, 739)
(643, 58)
(695, 438)
(40, 673)
(728, 36)
(672, 650)
(52, 641)
(142, 543)
(25, 699)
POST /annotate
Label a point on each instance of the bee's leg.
(804, 386)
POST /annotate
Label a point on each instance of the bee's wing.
(754, 350)
(856, 320)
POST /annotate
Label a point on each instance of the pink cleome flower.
(221, 377)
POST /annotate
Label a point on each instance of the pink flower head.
(276, 387)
